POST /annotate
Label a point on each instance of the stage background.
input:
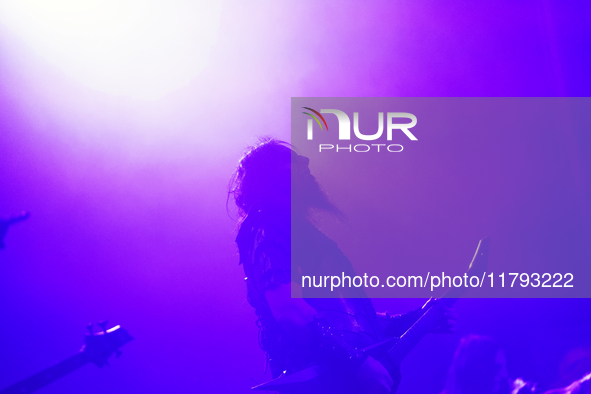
(128, 193)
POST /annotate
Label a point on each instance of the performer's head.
(271, 175)
(479, 367)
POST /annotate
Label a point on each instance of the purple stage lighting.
(126, 47)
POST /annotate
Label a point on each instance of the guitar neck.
(414, 334)
(47, 376)
(430, 318)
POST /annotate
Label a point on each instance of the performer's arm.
(396, 325)
(292, 314)
(271, 273)
(299, 319)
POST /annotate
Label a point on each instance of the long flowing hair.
(262, 174)
(263, 178)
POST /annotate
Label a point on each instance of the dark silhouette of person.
(276, 196)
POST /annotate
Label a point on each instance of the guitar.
(390, 351)
(98, 347)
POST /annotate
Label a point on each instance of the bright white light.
(144, 49)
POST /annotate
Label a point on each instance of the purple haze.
(128, 197)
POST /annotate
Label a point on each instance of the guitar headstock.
(99, 346)
(480, 259)
(477, 268)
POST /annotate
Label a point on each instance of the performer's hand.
(373, 377)
(448, 317)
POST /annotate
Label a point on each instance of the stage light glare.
(143, 49)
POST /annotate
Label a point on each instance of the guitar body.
(315, 380)
(393, 369)
(389, 352)
(396, 377)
